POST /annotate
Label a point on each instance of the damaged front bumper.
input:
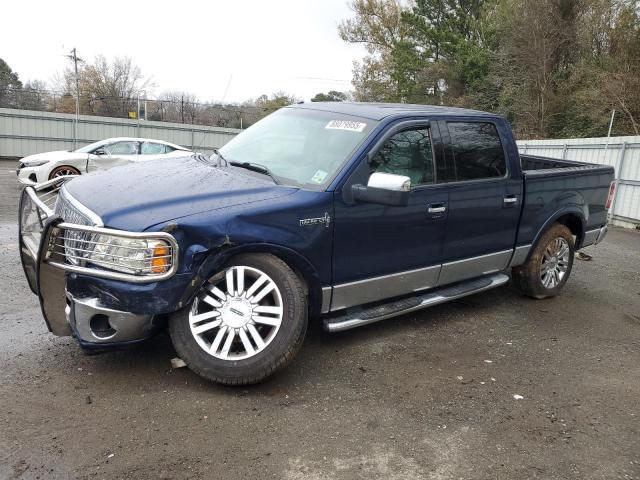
(93, 324)
(81, 312)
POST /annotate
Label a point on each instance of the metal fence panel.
(622, 153)
(25, 132)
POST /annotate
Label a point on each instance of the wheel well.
(304, 272)
(62, 166)
(573, 223)
(309, 283)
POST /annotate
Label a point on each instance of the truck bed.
(533, 164)
(552, 185)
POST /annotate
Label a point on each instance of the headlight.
(137, 256)
(35, 163)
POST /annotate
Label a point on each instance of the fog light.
(100, 326)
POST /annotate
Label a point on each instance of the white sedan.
(96, 156)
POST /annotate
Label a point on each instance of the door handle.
(510, 199)
(437, 208)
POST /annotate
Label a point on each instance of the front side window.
(92, 147)
(150, 148)
(407, 153)
(477, 150)
(300, 146)
(122, 148)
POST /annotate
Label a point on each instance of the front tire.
(245, 324)
(549, 265)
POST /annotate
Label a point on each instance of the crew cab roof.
(378, 111)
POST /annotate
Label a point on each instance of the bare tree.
(106, 87)
(34, 95)
(537, 39)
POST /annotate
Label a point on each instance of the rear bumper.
(594, 237)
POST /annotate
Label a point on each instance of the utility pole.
(613, 115)
(73, 56)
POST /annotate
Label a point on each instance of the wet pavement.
(494, 385)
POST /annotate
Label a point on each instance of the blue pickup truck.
(342, 213)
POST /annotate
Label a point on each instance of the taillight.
(612, 191)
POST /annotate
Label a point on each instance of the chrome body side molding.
(594, 237)
(386, 286)
(520, 255)
(474, 267)
(396, 284)
(326, 299)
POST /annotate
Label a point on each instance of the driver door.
(114, 154)
(383, 251)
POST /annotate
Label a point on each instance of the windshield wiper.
(256, 167)
(220, 157)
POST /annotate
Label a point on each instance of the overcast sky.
(263, 46)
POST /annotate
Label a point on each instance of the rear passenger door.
(484, 201)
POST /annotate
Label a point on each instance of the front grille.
(69, 212)
(76, 243)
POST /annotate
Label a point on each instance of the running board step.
(358, 316)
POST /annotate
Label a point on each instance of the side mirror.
(385, 189)
(100, 151)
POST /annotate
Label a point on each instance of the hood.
(136, 196)
(53, 156)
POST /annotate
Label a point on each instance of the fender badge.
(326, 220)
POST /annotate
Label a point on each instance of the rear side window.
(150, 148)
(477, 150)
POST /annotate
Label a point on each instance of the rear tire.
(62, 171)
(266, 330)
(549, 265)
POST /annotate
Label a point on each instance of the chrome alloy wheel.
(237, 315)
(63, 172)
(555, 262)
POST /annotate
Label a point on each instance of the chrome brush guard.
(59, 235)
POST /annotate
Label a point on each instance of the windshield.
(300, 146)
(91, 147)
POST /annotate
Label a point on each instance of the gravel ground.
(491, 386)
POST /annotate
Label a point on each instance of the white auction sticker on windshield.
(346, 125)
(319, 176)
